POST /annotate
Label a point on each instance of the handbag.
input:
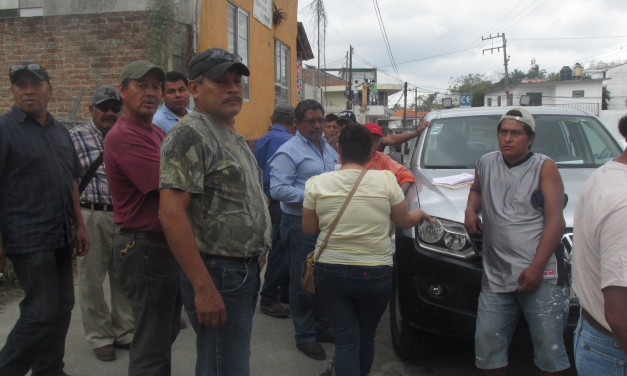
(309, 265)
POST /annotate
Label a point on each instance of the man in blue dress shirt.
(307, 154)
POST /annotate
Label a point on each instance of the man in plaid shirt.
(104, 328)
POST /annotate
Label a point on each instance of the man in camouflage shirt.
(214, 214)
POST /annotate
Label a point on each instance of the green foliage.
(536, 72)
(606, 95)
(161, 22)
(476, 84)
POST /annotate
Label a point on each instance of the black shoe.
(105, 353)
(312, 350)
(276, 310)
(126, 346)
(329, 338)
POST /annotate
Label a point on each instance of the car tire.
(409, 343)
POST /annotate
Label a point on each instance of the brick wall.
(80, 53)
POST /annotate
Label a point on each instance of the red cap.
(374, 129)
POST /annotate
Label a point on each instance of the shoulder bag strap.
(339, 214)
(89, 174)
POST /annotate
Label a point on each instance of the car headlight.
(445, 237)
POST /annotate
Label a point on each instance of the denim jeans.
(545, 311)
(596, 353)
(37, 341)
(355, 298)
(150, 276)
(225, 350)
(277, 277)
(306, 309)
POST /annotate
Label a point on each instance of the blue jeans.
(306, 309)
(355, 298)
(225, 350)
(150, 276)
(545, 311)
(596, 353)
(37, 340)
(277, 278)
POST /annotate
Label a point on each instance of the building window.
(498, 100)
(535, 99)
(578, 93)
(281, 73)
(237, 30)
(13, 8)
(489, 102)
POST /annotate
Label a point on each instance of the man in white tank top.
(521, 197)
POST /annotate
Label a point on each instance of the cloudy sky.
(435, 41)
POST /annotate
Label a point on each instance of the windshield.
(571, 141)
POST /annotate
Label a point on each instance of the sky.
(433, 42)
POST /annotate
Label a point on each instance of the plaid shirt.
(87, 140)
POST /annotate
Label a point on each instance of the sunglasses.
(30, 67)
(221, 55)
(106, 107)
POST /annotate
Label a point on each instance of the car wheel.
(409, 343)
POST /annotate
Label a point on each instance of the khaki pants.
(102, 326)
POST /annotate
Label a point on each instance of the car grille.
(567, 243)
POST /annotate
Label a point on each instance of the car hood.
(451, 203)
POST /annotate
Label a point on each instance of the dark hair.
(331, 117)
(283, 114)
(622, 126)
(173, 76)
(306, 105)
(355, 144)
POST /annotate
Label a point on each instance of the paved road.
(274, 353)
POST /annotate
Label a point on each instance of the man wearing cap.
(40, 223)
(104, 328)
(305, 155)
(521, 197)
(143, 262)
(215, 215)
(380, 161)
(175, 101)
(277, 277)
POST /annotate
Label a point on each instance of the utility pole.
(416, 106)
(405, 106)
(505, 57)
(318, 70)
(350, 76)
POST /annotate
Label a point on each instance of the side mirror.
(525, 100)
(447, 102)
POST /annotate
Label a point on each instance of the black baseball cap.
(214, 62)
(105, 93)
(33, 68)
(346, 116)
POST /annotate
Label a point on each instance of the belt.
(594, 323)
(97, 207)
(157, 236)
(244, 259)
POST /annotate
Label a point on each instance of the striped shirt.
(87, 140)
(292, 165)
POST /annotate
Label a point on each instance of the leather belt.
(97, 207)
(594, 323)
(157, 236)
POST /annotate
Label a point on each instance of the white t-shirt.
(599, 255)
(362, 235)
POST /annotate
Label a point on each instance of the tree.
(516, 76)
(536, 72)
(475, 84)
(606, 98)
(553, 76)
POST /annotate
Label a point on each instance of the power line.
(385, 38)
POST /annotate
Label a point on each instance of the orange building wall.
(254, 119)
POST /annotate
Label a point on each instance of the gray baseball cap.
(138, 69)
(525, 117)
(105, 93)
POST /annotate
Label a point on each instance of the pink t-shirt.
(131, 159)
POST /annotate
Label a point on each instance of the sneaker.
(105, 353)
(312, 350)
(276, 310)
(329, 369)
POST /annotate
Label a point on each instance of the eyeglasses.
(221, 55)
(320, 121)
(30, 67)
(104, 107)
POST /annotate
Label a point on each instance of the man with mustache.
(40, 223)
(215, 216)
(143, 261)
(104, 328)
(175, 101)
(303, 156)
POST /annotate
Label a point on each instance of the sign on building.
(262, 11)
(465, 100)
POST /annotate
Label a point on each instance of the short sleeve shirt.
(38, 166)
(228, 209)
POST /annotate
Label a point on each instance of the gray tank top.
(511, 224)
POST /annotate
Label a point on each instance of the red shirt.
(380, 161)
(131, 159)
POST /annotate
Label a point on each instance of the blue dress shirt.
(165, 119)
(265, 148)
(292, 165)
